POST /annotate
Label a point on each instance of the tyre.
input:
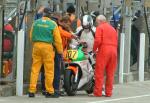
(90, 87)
(90, 91)
(69, 85)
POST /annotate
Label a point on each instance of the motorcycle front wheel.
(69, 85)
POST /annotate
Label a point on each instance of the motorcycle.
(79, 69)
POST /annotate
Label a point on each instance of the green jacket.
(43, 31)
(46, 30)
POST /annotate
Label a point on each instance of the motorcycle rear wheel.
(91, 87)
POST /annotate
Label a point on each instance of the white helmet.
(94, 14)
(87, 22)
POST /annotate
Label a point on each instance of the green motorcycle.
(79, 69)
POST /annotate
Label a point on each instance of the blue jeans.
(56, 73)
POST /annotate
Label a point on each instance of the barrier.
(20, 63)
(121, 59)
(141, 57)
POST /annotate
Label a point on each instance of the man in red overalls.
(105, 45)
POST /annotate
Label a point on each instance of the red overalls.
(106, 59)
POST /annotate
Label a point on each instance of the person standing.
(65, 31)
(39, 12)
(44, 35)
(105, 45)
(75, 22)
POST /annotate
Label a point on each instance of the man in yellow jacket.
(44, 35)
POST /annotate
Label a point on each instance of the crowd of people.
(51, 34)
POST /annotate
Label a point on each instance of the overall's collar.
(46, 18)
(103, 22)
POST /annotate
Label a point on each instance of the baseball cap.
(47, 10)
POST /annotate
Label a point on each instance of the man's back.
(108, 34)
(43, 30)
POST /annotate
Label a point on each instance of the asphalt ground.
(135, 92)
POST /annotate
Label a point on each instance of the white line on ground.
(118, 99)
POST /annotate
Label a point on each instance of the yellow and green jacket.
(46, 30)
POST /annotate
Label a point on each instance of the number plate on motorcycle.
(72, 54)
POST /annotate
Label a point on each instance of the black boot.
(43, 92)
(31, 95)
(57, 93)
(48, 95)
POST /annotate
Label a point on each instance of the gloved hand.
(82, 41)
(74, 36)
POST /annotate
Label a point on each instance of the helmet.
(87, 22)
(8, 27)
(94, 14)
